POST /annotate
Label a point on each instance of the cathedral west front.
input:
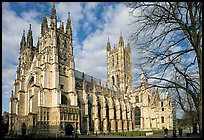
(49, 93)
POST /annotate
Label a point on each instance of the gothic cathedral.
(49, 94)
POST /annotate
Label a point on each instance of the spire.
(108, 45)
(53, 13)
(53, 18)
(128, 45)
(143, 80)
(44, 25)
(121, 43)
(30, 38)
(61, 26)
(23, 41)
(68, 26)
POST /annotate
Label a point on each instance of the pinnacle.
(23, 32)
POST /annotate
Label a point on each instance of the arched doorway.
(23, 129)
(69, 129)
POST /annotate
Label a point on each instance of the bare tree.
(169, 34)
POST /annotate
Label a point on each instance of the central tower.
(119, 65)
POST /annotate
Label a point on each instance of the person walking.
(165, 132)
(180, 132)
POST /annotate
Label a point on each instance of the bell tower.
(119, 65)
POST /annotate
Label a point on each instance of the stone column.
(96, 130)
(113, 129)
(130, 125)
(125, 125)
(119, 125)
(105, 128)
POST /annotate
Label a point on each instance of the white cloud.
(12, 29)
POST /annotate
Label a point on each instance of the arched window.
(117, 59)
(90, 114)
(107, 117)
(99, 116)
(162, 119)
(113, 60)
(137, 116)
(113, 80)
(118, 81)
(114, 113)
(148, 99)
(137, 99)
(121, 115)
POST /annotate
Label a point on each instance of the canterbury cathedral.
(49, 93)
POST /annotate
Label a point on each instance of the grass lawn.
(136, 133)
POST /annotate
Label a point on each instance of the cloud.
(89, 51)
(94, 46)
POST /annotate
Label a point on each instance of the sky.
(92, 24)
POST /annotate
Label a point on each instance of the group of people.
(174, 132)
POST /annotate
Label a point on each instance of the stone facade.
(49, 93)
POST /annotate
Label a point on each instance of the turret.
(53, 18)
(108, 48)
(29, 38)
(37, 46)
(143, 80)
(69, 34)
(61, 26)
(44, 25)
(128, 46)
(68, 26)
(121, 42)
(23, 42)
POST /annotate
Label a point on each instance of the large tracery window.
(137, 114)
